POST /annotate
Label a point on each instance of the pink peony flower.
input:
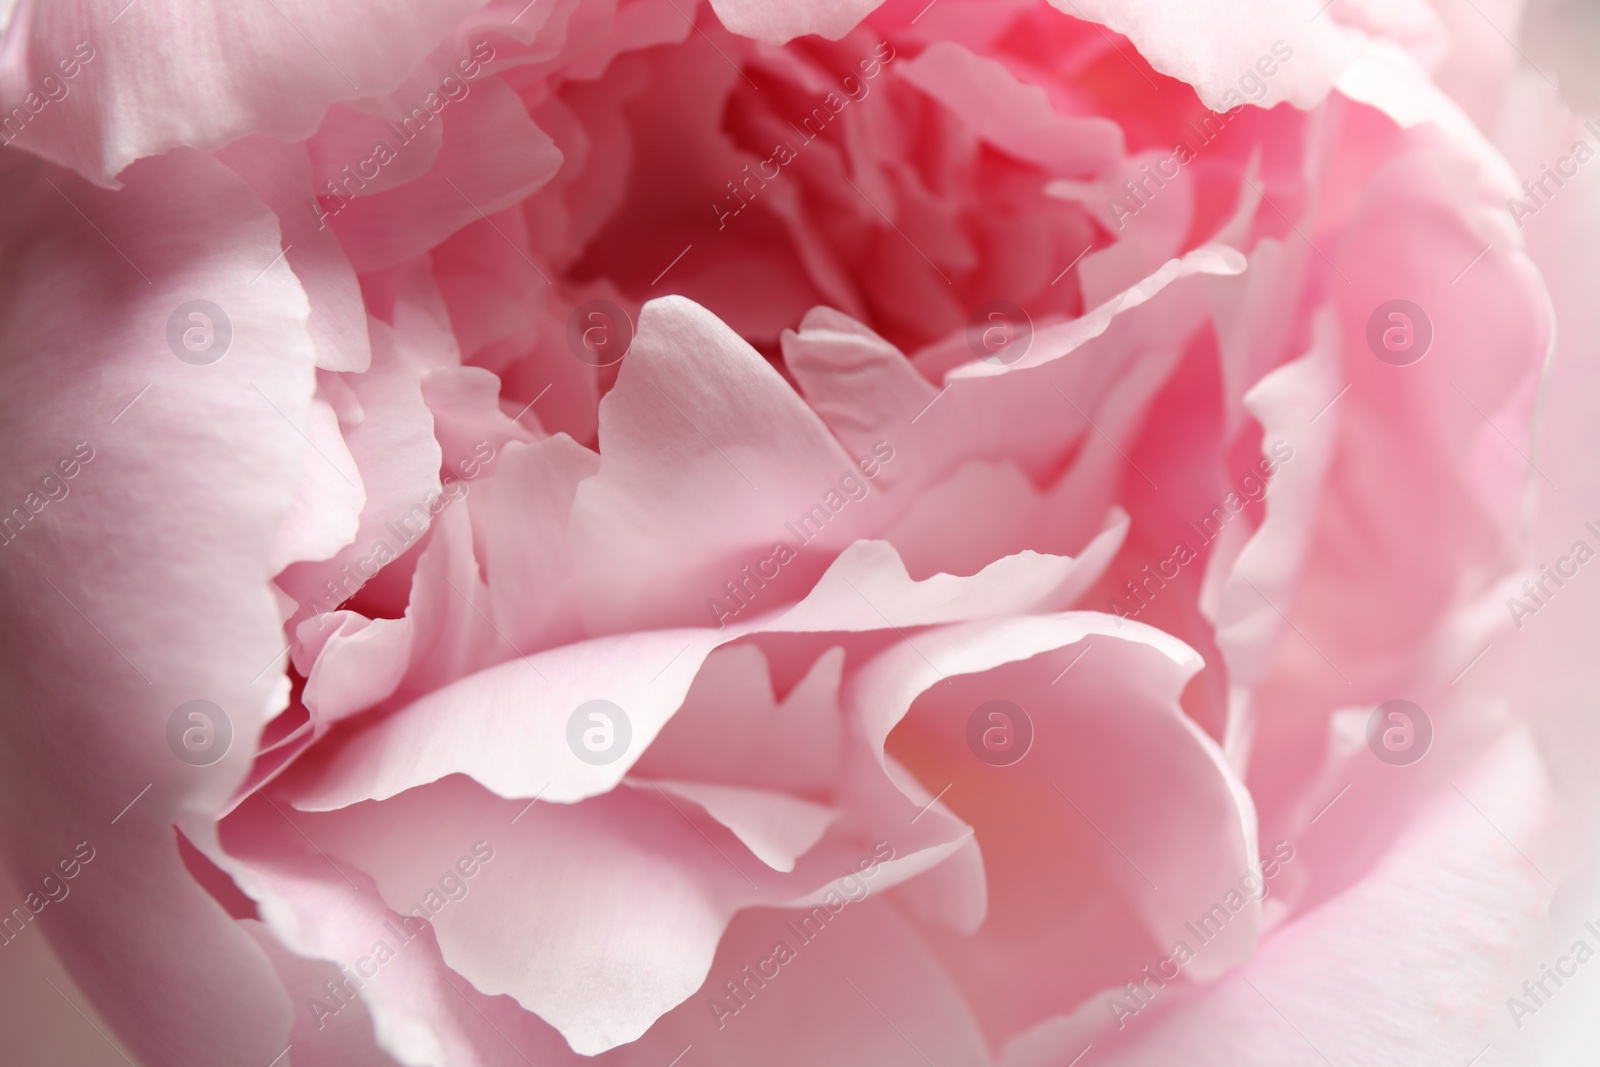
(796, 532)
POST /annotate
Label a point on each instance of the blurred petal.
(92, 676)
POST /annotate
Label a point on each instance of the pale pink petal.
(1146, 240)
(527, 703)
(467, 420)
(871, 395)
(634, 896)
(452, 634)
(886, 596)
(327, 1032)
(860, 988)
(492, 156)
(408, 1002)
(854, 379)
(1391, 81)
(327, 502)
(398, 460)
(1254, 315)
(1211, 44)
(527, 553)
(706, 452)
(279, 174)
(777, 828)
(272, 69)
(1011, 115)
(359, 662)
(779, 21)
(446, 632)
(1451, 898)
(343, 150)
(508, 319)
(1171, 852)
(1057, 340)
(733, 728)
(91, 280)
(1293, 405)
(984, 512)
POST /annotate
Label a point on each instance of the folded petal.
(101, 394)
(271, 70)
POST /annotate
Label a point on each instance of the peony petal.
(1212, 44)
(780, 21)
(328, 501)
(113, 647)
(984, 512)
(398, 460)
(1013, 116)
(271, 70)
(1198, 834)
(1292, 403)
(634, 896)
(281, 176)
(776, 827)
(528, 704)
(732, 728)
(403, 996)
(885, 595)
(1053, 342)
(862, 989)
(527, 553)
(467, 420)
(706, 453)
(855, 380)
(327, 1032)
(359, 663)
(492, 157)
(1335, 979)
